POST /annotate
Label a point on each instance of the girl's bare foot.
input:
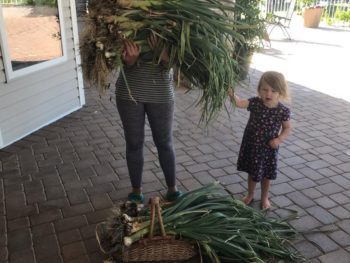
(248, 199)
(265, 204)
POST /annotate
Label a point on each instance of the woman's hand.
(153, 42)
(131, 52)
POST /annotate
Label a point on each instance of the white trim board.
(1, 141)
(77, 52)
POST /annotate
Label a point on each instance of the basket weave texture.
(158, 248)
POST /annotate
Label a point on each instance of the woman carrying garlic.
(147, 90)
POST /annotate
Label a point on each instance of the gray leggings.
(160, 117)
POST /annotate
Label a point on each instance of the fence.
(335, 10)
(28, 2)
(13, 2)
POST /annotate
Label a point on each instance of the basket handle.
(155, 210)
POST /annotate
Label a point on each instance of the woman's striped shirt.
(147, 83)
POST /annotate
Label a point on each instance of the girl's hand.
(240, 103)
(153, 42)
(231, 93)
(274, 143)
(286, 128)
(131, 52)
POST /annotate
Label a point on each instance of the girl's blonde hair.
(276, 81)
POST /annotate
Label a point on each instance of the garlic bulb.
(124, 3)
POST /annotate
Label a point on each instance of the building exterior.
(40, 76)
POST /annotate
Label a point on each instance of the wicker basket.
(158, 248)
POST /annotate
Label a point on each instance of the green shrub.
(42, 2)
(343, 15)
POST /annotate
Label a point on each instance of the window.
(32, 35)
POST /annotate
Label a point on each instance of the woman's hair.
(276, 81)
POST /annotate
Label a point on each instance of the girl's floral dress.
(256, 157)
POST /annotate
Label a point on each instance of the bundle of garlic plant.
(199, 36)
(225, 229)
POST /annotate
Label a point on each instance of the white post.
(77, 51)
(1, 141)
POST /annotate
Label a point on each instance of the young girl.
(267, 127)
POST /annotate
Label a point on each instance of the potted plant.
(312, 13)
(252, 27)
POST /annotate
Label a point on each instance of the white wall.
(32, 101)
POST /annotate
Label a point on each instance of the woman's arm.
(286, 129)
(240, 103)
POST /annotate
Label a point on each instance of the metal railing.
(337, 10)
(274, 6)
(334, 10)
(28, 2)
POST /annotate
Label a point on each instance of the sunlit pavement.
(318, 58)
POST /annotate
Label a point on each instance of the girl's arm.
(286, 128)
(240, 103)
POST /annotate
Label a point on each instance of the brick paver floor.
(59, 182)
